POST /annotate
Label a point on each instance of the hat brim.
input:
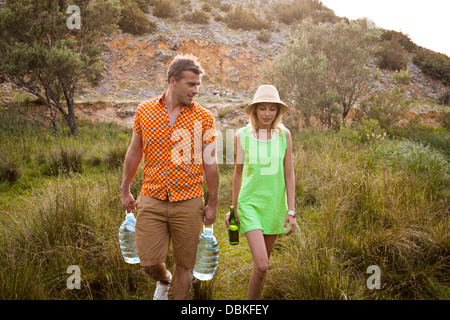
(283, 107)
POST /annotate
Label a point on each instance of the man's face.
(187, 87)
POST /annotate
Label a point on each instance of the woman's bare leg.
(260, 246)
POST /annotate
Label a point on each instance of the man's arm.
(211, 169)
(131, 165)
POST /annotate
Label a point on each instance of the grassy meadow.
(363, 200)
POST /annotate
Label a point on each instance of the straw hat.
(266, 93)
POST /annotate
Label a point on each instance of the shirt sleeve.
(137, 121)
(209, 129)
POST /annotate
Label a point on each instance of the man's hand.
(209, 215)
(128, 201)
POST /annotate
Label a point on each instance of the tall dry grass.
(383, 204)
(380, 202)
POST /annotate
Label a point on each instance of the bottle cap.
(208, 230)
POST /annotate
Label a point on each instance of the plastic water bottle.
(127, 239)
(207, 255)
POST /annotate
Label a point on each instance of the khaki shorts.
(158, 221)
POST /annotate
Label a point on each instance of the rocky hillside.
(135, 66)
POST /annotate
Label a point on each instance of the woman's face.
(266, 113)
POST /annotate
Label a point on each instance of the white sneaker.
(162, 289)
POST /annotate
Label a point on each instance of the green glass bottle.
(233, 232)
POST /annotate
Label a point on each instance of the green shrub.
(416, 157)
(63, 160)
(241, 18)
(391, 55)
(445, 98)
(434, 64)
(444, 119)
(164, 9)
(289, 13)
(115, 155)
(198, 16)
(9, 168)
(134, 20)
(206, 7)
(402, 76)
(292, 12)
(225, 7)
(415, 130)
(218, 17)
(401, 38)
(263, 35)
(365, 131)
(387, 107)
(143, 5)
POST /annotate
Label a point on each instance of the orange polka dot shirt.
(173, 168)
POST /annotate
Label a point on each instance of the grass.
(380, 202)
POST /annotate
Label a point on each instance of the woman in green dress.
(263, 181)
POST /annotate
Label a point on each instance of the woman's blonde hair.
(277, 125)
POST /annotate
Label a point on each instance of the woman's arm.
(289, 179)
(237, 177)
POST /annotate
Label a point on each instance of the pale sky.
(426, 22)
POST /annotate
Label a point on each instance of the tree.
(325, 65)
(46, 58)
(391, 55)
(299, 77)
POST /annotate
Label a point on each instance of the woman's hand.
(291, 220)
(227, 218)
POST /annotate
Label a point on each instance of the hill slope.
(135, 66)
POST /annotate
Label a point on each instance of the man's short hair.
(183, 63)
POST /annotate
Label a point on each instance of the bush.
(206, 7)
(225, 7)
(401, 38)
(164, 9)
(402, 76)
(445, 98)
(9, 169)
(366, 131)
(115, 155)
(241, 18)
(143, 5)
(434, 64)
(63, 160)
(391, 55)
(444, 119)
(134, 20)
(416, 157)
(289, 13)
(198, 16)
(263, 35)
(387, 107)
(438, 138)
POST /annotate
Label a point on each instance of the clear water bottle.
(207, 255)
(127, 239)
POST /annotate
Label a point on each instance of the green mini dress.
(262, 200)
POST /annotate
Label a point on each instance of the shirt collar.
(161, 101)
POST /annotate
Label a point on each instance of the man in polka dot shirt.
(177, 138)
